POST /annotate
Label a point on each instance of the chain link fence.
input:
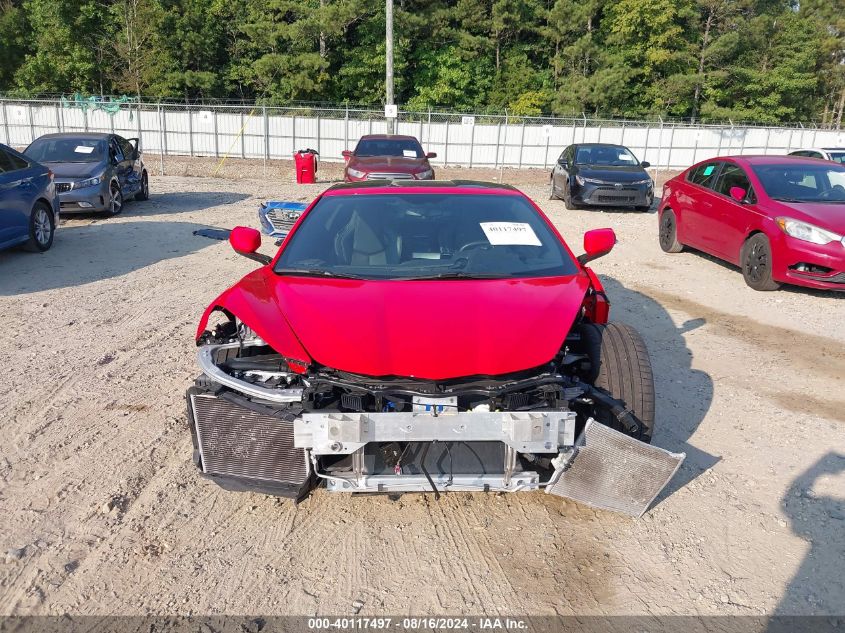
(459, 139)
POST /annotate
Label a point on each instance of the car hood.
(429, 329)
(830, 216)
(625, 173)
(76, 170)
(388, 163)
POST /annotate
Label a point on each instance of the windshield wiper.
(308, 272)
(454, 274)
(790, 200)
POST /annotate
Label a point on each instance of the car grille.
(282, 220)
(375, 176)
(238, 442)
(838, 278)
(605, 198)
(62, 187)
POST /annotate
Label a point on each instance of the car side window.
(126, 146)
(10, 162)
(116, 149)
(734, 176)
(704, 175)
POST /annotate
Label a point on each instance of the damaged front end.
(281, 426)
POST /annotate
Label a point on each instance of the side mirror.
(346, 154)
(597, 243)
(645, 164)
(431, 155)
(738, 193)
(246, 242)
(562, 162)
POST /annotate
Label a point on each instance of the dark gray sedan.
(93, 171)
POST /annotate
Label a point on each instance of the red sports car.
(388, 157)
(780, 218)
(425, 337)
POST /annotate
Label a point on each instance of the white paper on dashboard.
(83, 149)
(409, 153)
(510, 234)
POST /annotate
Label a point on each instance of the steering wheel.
(476, 244)
(838, 189)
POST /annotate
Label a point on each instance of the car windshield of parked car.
(424, 236)
(605, 156)
(67, 150)
(838, 157)
(407, 148)
(803, 182)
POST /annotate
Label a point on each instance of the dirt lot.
(103, 512)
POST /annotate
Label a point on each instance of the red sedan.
(425, 337)
(781, 219)
(388, 157)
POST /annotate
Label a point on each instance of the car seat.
(360, 244)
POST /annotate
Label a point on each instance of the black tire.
(667, 232)
(621, 368)
(567, 199)
(115, 203)
(553, 195)
(755, 258)
(42, 228)
(144, 191)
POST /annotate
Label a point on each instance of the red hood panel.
(430, 329)
(830, 216)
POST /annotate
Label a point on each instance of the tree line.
(766, 61)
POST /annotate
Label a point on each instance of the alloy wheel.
(43, 228)
(116, 199)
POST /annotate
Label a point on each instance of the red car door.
(695, 200)
(731, 219)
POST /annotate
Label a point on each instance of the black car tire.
(115, 200)
(553, 195)
(620, 366)
(567, 199)
(42, 228)
(144, 191)
(755, 258)
(667, 232)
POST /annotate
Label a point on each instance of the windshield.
(406, 147)
(425, 236)
(67, 150)
(837, 157)
(802, 182)
(604, 155)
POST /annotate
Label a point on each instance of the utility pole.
(388, 53)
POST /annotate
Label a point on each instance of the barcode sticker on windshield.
(510, 234)
(409, 153)
(83, 149)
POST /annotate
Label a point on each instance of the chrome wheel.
(42, 227)
(116, 204)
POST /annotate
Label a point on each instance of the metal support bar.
(190, 131)
(31, 123)
(471, 144)
(216, 139)
(345, 433)
(6, 124)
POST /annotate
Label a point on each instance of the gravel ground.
(104, 513)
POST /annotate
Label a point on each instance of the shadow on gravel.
(85, 253)
(801, 290)
(684, 394)
(817, 517)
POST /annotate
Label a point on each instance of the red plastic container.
(306, 166)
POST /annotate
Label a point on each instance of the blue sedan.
(29, 207)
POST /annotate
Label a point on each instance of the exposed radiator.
(235, 441)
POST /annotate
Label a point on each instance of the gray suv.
(93, 171)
